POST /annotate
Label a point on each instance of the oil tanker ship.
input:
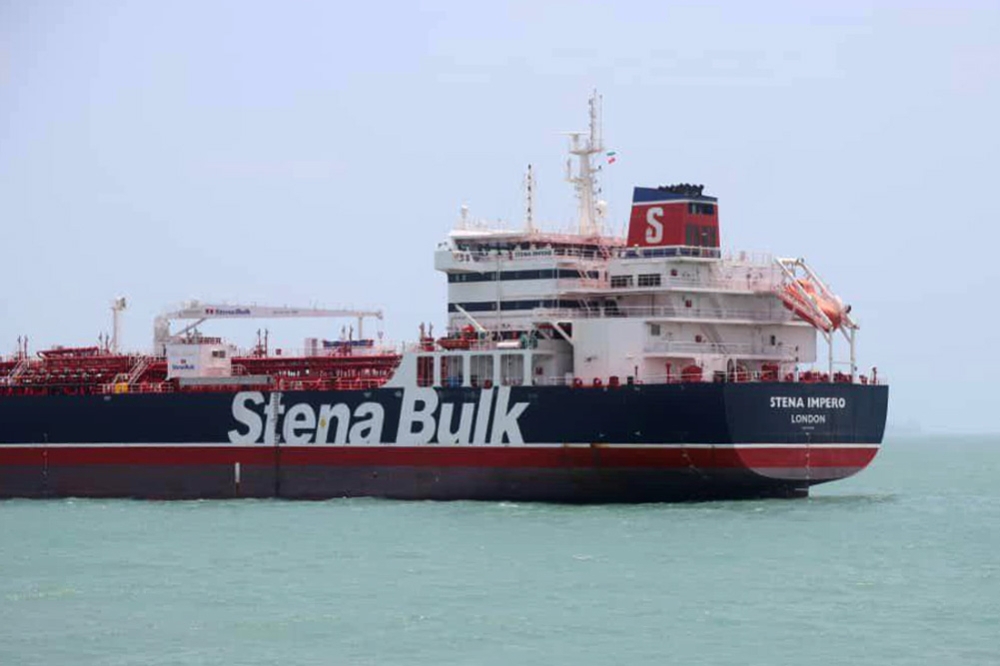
(576, 367)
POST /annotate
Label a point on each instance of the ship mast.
(117, 307)
(585, 180)
(529, 201)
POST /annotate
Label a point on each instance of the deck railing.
(772, 315)
(728, 378)
(671, 347)
(615, 252)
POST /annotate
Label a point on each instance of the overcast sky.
(315, 152)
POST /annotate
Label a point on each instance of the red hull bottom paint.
(597, 473)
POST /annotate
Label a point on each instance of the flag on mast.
(612, 157)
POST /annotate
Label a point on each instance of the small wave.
(867, 498)
(34, 595)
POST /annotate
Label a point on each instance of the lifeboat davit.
(832, 308)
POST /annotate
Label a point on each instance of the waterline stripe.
(331, 445)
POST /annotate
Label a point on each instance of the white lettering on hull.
(247, 417)
(812, 402)
(423, 419)
(505, 420)
(418, 410)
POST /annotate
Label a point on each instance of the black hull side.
(576, 486)
(628, 444)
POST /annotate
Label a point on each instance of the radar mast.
(585, 180)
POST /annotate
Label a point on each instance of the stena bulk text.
(423, 418)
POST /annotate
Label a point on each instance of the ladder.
(19, 369)
(138, 369)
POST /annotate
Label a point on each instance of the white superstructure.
(660, 305)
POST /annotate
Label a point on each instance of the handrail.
(755, 284)
(720, 348)
(141, 364)
(777, 315)
(18, 369)
(307, 352)
(142, 387)
(742, 258)
(511, 346)
(811, 377)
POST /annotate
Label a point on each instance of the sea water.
(898, 565)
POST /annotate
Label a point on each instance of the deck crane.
(200, 312)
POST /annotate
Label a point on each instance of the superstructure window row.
(684, 251)
(545, 274)
(649, 279)
(645, 280)
(491, 306)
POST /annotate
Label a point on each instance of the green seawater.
(898, 565)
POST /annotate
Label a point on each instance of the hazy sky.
(315, 152)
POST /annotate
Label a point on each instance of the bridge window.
(649, 280)
(481, 306)
(481, 370)
(621, 281)
(425, 371)
(472, 277)
(543, 274)
(511, 369)
(451, 371)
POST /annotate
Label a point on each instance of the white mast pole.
(854, 358)
(829, 346)
(585, 181)
(117, 306)
(529, 201)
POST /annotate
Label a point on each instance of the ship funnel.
(675, 216)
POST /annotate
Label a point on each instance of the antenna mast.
(585, 180)
(529, 201)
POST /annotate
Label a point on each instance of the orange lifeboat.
(832, 308)
(461, 340)
(454, 343)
